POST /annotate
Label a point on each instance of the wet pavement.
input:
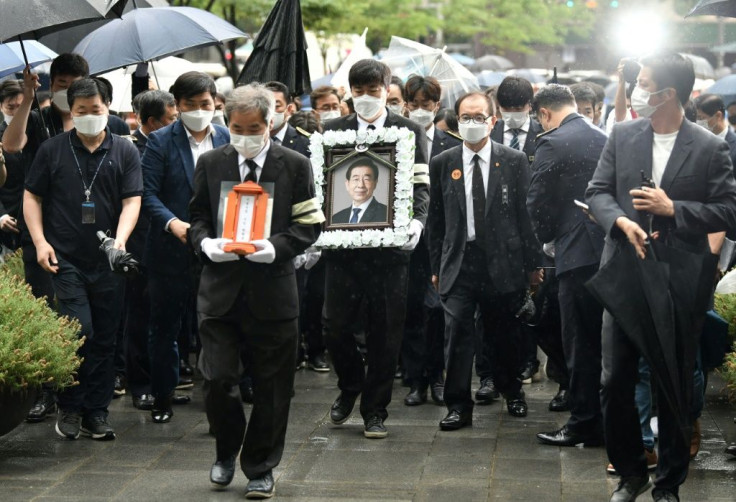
(498, 458)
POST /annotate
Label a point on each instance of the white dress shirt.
(362, 208)
(468, 166)
(362, 124)
(281, 134)
(259, 159)
(508, 135)
(203, 146)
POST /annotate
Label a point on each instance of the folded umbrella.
(12, 60)
(120, 261)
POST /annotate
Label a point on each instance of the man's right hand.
(635, 234)
(179, 229)
(9, 224)
(46, 257)
(436, 283)
(30, 83)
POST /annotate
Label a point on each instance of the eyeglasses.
(476, 119)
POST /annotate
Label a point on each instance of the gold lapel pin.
(457, 174)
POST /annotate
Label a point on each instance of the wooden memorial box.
(247, 217)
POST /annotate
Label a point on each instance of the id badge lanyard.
(88, 206)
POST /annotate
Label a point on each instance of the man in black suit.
(483, 255)
(360, 182)
(377, 277)
(695, 195)
(251, 300)
(566, 156)
(712, 115)
(422, 350)
(283, 133)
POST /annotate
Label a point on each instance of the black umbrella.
(725, 8)
(660, 303)
(120, 261)
(280, 51)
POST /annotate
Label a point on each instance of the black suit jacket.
(295, 141)
(140, 141)
(421, 190)
(441, 142)
(530, 144)
(564, 163)
(375, 212)
(698, 178)
(269, 289)
(512, 251)
(731, 140)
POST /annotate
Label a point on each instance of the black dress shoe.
(261, 487)
(162, 412)
(222, 472)
(630, 488)
(731, 449)
(185, 369)
(517, 405)
(560, 402)
(437, 389)
(456, 420)
(416, 396)
(487, 392)
(528, 371)
(184, 383)
(143, 402)
(318, 364)
(119, 388)
(566, 437)
(246, 391)
(180, 399)
(342, 408)
(44, 406)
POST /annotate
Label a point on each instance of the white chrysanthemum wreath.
(403, 190)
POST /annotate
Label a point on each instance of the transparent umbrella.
(406, 58)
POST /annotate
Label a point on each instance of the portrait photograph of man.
(361, 202)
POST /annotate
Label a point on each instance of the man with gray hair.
(251, 299)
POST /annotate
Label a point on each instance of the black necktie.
(370, 127)
(479, 202)
(251, 176)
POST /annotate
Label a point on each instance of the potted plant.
(36, 345)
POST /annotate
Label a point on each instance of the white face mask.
(197, 120)
(59, 99)
(219, 118)
(278, 120)
(514, 119)
(90, 125)
(397, 109)
(422, 117)
(249, 145)
(369, 106)
(325, 116)
(8, 118)
(703, 123)
(640, 102)
(473, 133)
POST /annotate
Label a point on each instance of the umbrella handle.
(36, 104)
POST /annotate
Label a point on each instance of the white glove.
(312, 259)
(415, 232)
(549, 249)
(266, 252)
(300, 260)
(213, 249)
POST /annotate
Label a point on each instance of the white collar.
(484, 153)
(282, 133)
(364, 205)
(210, 132)
(379, 122)
(430, 133)
(259, 159)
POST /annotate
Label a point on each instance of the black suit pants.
(624, 444)
(311, 301)
(473, 289)
(382, 285)
(581, 337)
(271, 346)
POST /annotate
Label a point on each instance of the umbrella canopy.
(359, 51)
(725, 87)
(725, 8)
(147, 34)
(492, 62)
(12, 60)
(489, 78)
(462, 59)
(660, 304)
(280, 51)
(533, 76)
(406, 57)
(120, 261)
(703, 68)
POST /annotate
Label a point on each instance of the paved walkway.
(497, 459)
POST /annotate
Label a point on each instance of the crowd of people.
(519, 199)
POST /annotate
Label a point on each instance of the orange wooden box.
(245, 217)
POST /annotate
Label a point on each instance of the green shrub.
(36, 345)
(725, 305)
(14, 263)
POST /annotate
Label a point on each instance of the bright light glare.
(638, 32)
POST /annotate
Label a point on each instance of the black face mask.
(732, 120)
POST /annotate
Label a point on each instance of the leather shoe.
(185, 369)
(44, 406)
(437, 389)
(566, 437)
(184, 383)
(487, 392)
(246, 391)
(342, 408)
(143, 402)
(695, 439)
(731, 449)
(318, 364)
(162, 412)
(222, 472)
(664, 496)
(416, 396)
(456, 420)
(630, 488)
(517, 405)
(261, 487)
(560, 401)
(180, 399)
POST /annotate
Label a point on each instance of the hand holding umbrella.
(120, 260)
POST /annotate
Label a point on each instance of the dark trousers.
(621, 418)
(581, 337)
(131, 351)
(474, 289)
(271, 346)
(170, 296)
(548, 328)
(423, 341)
(383, 287)
(93, 297)
(311, 300)
(37, 278)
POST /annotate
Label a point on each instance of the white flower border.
(403, 190)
